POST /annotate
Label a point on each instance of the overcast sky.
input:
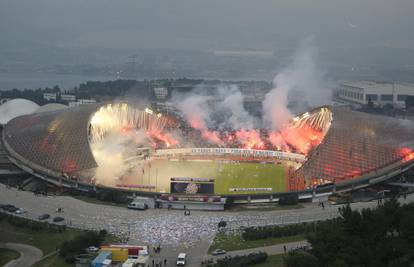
(206, 25)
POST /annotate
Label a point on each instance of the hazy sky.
(205, 25)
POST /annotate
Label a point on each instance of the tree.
(400, 262)
(409, 102)
(301, 259)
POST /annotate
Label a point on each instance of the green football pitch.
(226, 176)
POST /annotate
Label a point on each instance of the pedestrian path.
(270, 250)
(29, 255)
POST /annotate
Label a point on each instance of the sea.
(33, 80)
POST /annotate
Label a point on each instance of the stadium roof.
(56, 141)
(355, 144)
(358, 143)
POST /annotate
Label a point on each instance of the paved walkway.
(29, 255)
(270, 250)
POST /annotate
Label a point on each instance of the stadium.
(141, 151)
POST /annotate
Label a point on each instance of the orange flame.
(407, 154)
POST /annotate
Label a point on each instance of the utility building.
(380, 93)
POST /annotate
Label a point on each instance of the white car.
(20, 211)
(218, 252)
(137, 206)
(92, 249)
(181, 259)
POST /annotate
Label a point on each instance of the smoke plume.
(300, 81)
(110, 154)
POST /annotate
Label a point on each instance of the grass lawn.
(225, 175)
(53, 261)
(249, 175)
(45, 241)
(272, 261)
(7, 255)
(235, 242)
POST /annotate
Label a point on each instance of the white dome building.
(16, 107)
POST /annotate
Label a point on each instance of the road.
(270, 250)
(29, 255)
(169, 228)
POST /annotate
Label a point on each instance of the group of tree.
(246, 260)
(122, 89)
(409, 102)
(32, 95)
(100, 90)
(380, 237)
(70, 249)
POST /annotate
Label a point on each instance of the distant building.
(380, 93)
(160, 93)
(243, 53)
(66, 97)
(81, 102)
(49, 96)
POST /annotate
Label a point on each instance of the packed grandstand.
(123, 147)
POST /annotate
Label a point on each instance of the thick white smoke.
(231, 103)
(195, 109)
(110, 154)
(302, 79)
(222, 108)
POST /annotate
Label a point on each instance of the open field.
(225, 175)
(44, 240)
(7, 255)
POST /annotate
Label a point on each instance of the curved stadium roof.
(355, 144)
(56, 141)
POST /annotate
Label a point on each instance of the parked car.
(9, 208)
(43, 217)
(137, 205)
(92, 249)
(58, 219)
(20, 211)
(218, 252)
